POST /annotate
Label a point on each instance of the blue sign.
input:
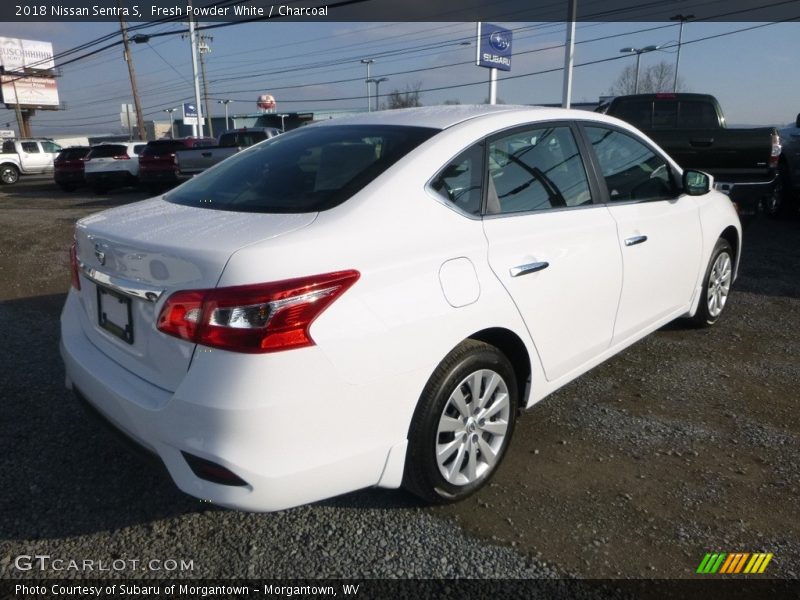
(189, 110)
(494, 47)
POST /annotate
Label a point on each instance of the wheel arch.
(731, 235)
(510, 344)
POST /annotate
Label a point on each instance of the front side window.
(51, 147)
(631, 170)
(305, 170)
(536, 169)
(460, 182)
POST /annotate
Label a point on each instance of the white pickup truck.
(26, 157)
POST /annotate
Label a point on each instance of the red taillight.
(258, 318)
(73, 266)
(775, 153)
(121, 157)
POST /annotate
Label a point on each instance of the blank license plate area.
(114, 314)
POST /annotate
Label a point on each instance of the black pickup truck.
(790, 170)
(692, 130)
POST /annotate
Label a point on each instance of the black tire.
(9, 174)
(779, 203)
(68, 187)
(707, 315)
(97, 189)
(422, 475)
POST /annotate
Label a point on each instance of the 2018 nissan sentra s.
(369, 301)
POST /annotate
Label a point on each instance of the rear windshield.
(305, 170)
(108, 151)
(73, 153)
(163, 147)
(241, 138)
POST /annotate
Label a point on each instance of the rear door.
(658, 228)
(551, 246)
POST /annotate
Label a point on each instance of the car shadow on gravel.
(61, 474)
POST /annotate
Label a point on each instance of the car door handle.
(529, 268)
(206, 154)
(701, 141)
(637, 239)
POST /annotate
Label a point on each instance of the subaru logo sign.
(500, 40)
(494, 47)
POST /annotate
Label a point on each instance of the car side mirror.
(696, 183)
(797, 121)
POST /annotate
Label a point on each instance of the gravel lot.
(688, 442)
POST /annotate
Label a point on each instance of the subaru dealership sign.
(190, 114)
(494, 47)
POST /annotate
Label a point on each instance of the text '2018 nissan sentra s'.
(370, 301)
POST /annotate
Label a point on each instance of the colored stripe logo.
(734, 563)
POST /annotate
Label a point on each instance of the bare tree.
(405, 99)
(451, 102)
(653, 79)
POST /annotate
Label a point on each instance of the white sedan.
(370, 301)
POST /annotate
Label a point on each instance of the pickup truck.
(194, 161)
(26, 157)
(691, 128)
(789, 200)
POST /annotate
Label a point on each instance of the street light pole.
(368, 62)
(639, 52)
(225, 102)
(171, 122)
(377, 83)
(198, 128)
(682, 19)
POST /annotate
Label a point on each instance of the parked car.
(369, 301)
(68, 168)
(692, 130)
(192, 162)
(789, 197)
(26, 157)
(157, 165)
(111, 165)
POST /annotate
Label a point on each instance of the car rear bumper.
(69, 177)
(110, 178)
(158, 177)
(292, 438)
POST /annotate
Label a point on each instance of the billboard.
(17, 55)
(494, 47)
(35, 92)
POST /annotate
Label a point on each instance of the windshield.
(305, 170)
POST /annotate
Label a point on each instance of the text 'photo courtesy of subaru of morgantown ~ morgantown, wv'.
(360, 302)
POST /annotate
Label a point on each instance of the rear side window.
(139, 148)
(536, 169)
(30, 147)
(8, 148)
(305, 170)
(108, 151)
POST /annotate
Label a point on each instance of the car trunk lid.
(133, 257)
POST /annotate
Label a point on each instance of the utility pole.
(569, 54)
(137, 104)
(196, 129)
(204, 49)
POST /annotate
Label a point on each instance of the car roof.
(437, 117)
